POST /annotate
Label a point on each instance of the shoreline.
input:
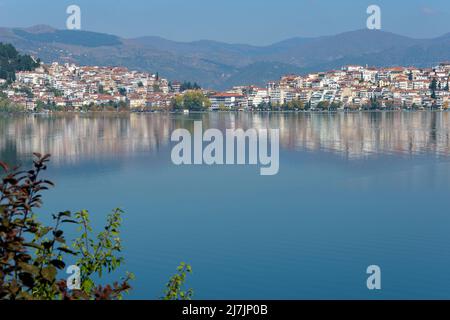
(217, 111)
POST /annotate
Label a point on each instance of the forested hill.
(11, 62)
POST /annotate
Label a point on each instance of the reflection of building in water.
(361, 134)
(70, 138)
(354, 135)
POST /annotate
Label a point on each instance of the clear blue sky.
(235, 21)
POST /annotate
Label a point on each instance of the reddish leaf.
(4, 166)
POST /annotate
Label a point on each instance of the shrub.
(32, 254)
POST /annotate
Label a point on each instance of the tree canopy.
(11, 62)
(191, 100)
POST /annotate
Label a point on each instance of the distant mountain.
(219, 65)
(81, 38)
(222, 53)
(325, 49)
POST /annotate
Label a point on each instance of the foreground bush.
(32, 254)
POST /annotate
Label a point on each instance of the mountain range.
(219, 65)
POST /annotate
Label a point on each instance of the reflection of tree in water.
(433, 128)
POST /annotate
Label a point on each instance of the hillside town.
(70, 87)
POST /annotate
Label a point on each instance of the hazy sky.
(242, 21)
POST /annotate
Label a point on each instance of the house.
(227, 100)
(137, 101)
(176, 87)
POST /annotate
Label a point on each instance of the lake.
(353, 190)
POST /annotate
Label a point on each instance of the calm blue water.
(353, 190)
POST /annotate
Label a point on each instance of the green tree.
(27, 91)
(174, 288)
(433, 88)
(11, 62)
(156, 88)
(7, 106)
(177, 103)
(222, 107)
(323, 105)
(433, 84)
(122, 91)
(191, 100)
(56, 92)
(335, 105)
(295, 104)
(196, 101)
(189, 86)
(374, 104)
(40, 106)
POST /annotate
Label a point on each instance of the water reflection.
(70, 138)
